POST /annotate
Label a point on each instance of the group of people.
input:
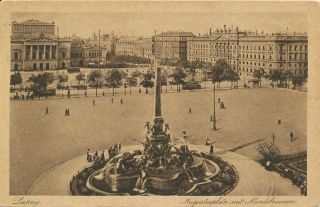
(114, 150)
(23, 97)
(67, 112)
(94, 157)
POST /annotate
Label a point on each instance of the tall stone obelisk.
(158, 120)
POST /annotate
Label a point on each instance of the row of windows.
(295, 47)
(171, 38)
(94, 53)
(76, 55)
(33, 28)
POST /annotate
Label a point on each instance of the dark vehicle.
(48, 92)
(73, 70)
(191, 86)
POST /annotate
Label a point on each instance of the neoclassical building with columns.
(35, 46)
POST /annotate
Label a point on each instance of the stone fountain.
(159, 167)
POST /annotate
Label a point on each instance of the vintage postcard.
(176, 103)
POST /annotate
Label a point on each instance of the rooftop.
(33, 22)
(176, 34)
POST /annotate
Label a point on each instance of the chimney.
(210, 31)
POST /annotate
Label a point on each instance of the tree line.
(217, 73)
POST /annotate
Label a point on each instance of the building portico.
(38, 51)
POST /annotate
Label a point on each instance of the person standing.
(93, 102)
(207, 141)
(211, 150)
(291, 135)
(47, 111)
(66, 112)
(88, 155)
(111, 100)
(218, 100)
(121, 101)
(189, 110)
(273, 138)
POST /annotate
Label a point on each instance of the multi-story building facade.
(172, 45)
(109, 42)
(126, 45)
(144, 47)
(35, 46)
(85, 53)
(249, 51)
(77, 51)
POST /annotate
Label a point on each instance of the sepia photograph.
(151, 100)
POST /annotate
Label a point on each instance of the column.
(50, 53)
(25, 52)
(44, 52)
(31, 46)
(38, 52)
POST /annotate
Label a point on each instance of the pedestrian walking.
(121, 101)
(62, 95)
(93, 102)
(291, 135)
(273, 138)
(189, 110)
(47, 111)
(111, 100)
(279, 121)
(66, 112)
(103, 93)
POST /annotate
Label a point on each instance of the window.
(16, 56)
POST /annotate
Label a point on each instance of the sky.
(145, 23)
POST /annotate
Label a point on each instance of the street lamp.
(214, 120)
(96, 81)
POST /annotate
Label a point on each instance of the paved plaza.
(39, 142)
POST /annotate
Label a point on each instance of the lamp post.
(214, 120)
(96, 80)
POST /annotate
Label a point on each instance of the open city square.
(218, 113)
